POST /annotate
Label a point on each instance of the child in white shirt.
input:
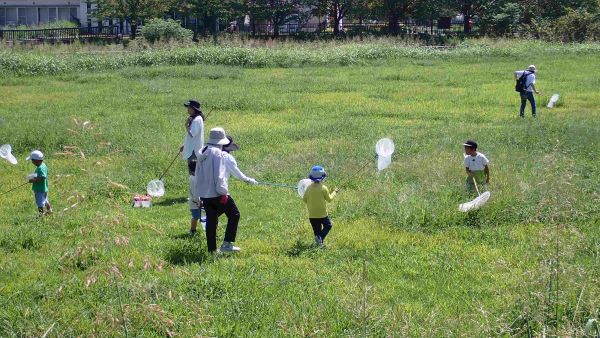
(476, 166)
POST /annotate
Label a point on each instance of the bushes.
(577, 26)
(292, 55)
(165, 30)
(48, 25)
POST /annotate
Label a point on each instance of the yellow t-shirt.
(316, 197)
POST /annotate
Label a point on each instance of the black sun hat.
(470, 144)
(194, 104)
(230, 146)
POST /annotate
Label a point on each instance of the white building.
(36, 12)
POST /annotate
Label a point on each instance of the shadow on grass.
(186, 252)
(171, 201)
(473, 219)
(299, 248)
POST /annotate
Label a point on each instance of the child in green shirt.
(316, 197)
(39, 183)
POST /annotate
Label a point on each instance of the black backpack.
(520, 87)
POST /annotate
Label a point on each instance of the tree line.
(492, 18)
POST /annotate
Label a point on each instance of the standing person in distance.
(476, 165)
(316, 197)
(194, 134)
(211, 187)
(192, 143)
(39, 182)
(526, 87)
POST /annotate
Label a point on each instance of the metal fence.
(429, 27)
(61, 34)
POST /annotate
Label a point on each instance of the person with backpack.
(526, 87)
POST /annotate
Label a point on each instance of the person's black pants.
(214, 209)
(321, 226)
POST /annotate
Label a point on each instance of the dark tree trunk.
(275, 29)
(393, 25)
(204, 24)
(336, 23)
(134, 28)
(467, 19)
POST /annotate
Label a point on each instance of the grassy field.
(400, 260)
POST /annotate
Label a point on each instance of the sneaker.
(192, 233)
(229, 247)
(318, 240)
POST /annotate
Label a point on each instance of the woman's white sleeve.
(197, 126)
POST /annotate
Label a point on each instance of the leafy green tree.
(337, 10)
(133, 11)
(275, 12)
(210, 11)
(394, 10)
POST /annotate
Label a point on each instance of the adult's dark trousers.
(214, 209)
(527, 96)
(321, 226)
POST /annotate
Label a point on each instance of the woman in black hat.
(194, 136)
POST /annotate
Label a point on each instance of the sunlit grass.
(430, 270)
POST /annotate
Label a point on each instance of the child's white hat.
(35, 155)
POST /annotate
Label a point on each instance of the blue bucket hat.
(317, 173)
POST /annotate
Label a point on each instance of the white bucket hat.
(531, 68)
(35, 155)
(217, 136)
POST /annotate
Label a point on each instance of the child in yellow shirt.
(316, 197)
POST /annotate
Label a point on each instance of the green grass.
(400, 260)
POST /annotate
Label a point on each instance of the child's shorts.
(195, 213)
(41, 198)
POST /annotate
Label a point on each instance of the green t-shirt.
(41, 186)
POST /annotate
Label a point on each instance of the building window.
(52, 14)
(64, 14)
(11, 16)
(2, 17)
(44, 15)
(27, 15)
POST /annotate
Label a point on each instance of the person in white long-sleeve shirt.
(194, 135)
(211, 186)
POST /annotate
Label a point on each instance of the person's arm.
(486, 171)
(196, 127)
(533, 87)
(39, 176)
(466, 163)
(232, 168)
(328, 196)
